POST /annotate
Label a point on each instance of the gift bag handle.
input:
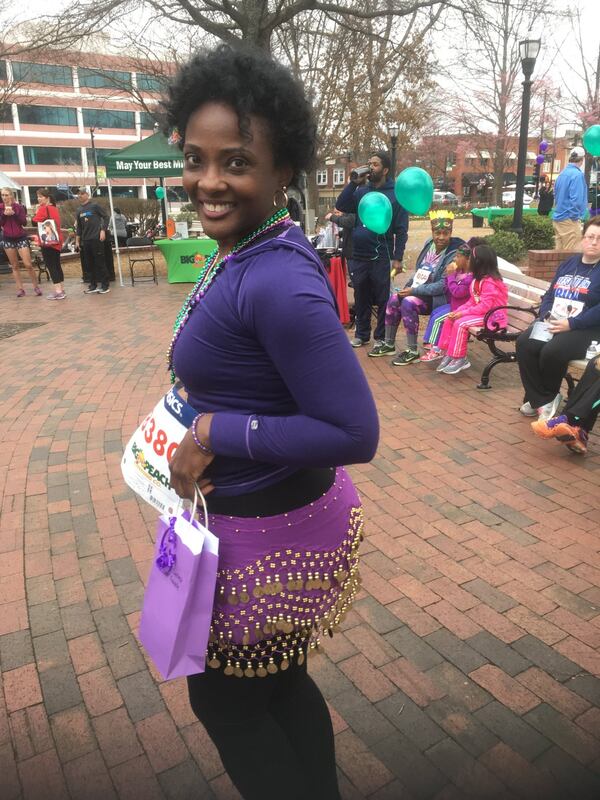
(198, 494)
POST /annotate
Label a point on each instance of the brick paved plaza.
(469, 667)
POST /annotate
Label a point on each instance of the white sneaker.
(528, 410)
(549, 410)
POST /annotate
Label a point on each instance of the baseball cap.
(577, 153)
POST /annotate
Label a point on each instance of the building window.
(150, 83)
(100, 156)
(52, 155)
(8, 155)
(321, 177)
(104, 78)
(47, 115)
(102, 118)
(2, 70)
(339, 176)
(27, 72)
(119, 191)
(5, 112)
(147, 121)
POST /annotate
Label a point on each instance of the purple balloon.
(540, 159)
(544, 145)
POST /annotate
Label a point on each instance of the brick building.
(56, 112)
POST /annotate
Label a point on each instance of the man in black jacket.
(91, 227)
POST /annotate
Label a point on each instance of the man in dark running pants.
(91, 227)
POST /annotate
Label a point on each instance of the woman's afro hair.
(253, 84)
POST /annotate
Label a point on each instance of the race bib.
(564, 308)
(145, 462)
(422, 275)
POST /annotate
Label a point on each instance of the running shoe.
(549, 410)
(382, 349)
(21, 293)
(92, 289)
(456, 365)
(407, 357)
(432, 355)
(559, 428)
(104, 290)
(356, 342)
(528, 410)
(444, 363)
(37, 291)
(56, 296)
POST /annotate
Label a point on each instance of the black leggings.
(543, 365)
(274, 734)
(52, 261)
(583, 404)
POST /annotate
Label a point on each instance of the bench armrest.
(492, 326)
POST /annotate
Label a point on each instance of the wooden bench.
(524, 297)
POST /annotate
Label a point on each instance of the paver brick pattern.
(469, 666)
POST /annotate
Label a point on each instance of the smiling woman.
(254, 346)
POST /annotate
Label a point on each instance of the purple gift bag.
(178, 601)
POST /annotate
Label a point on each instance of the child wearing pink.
(487, 291)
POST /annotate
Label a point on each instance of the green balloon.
(414, 190)
(375, 212)
(159, 192)
(591, 140)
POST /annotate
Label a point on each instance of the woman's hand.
(9, 211)
(404, 292)
(189, 462)
(559, 326)
(454, 315)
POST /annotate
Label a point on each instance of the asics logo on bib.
(174, 402)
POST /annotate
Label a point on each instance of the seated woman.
(423, 293)
(579, 415)
(571, 307)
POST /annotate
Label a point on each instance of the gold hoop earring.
(278, 193)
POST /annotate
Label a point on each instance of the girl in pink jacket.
(487, 291)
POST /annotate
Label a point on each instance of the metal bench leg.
(485, 375)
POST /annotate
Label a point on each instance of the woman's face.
(43, 201)
(441, 238)
(590, 244)
(7, 196)
(231, 181)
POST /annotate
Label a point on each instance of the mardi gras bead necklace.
(209, 272)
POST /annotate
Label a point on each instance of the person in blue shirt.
(372, 253)
(570, 202)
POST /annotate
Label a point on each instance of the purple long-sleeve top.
(12, 224)
(265, 351)
(457, 288)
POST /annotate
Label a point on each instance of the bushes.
(538, 233)
(508, 245)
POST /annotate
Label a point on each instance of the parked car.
(509, 197)
(445, 198)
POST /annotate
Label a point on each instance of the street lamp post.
(528, 51)
(393, 129)
(94, 159)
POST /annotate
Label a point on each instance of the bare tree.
(487, 100)
(360, 77)
(254, 21)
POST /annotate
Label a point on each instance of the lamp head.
(528, 51)
(393, 129)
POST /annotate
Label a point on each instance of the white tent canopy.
(7, 182)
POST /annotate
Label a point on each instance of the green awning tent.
(152, 157)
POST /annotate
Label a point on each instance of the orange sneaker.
(559, 428)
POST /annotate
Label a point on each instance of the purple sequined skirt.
(283, 580)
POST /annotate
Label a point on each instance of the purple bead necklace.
(209, 272)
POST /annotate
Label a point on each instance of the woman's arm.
(294, 319)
